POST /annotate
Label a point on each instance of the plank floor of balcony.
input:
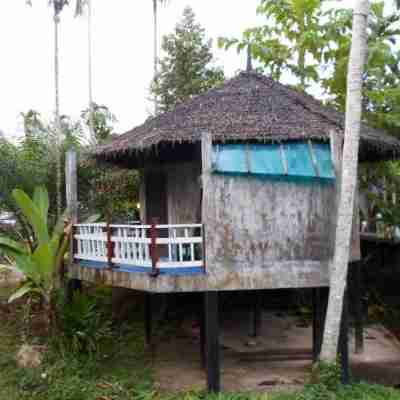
(175, 271)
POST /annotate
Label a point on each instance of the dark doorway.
(156, 197)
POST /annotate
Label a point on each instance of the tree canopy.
(186, 69)
(102, 119)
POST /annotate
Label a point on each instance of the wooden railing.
(150, 246)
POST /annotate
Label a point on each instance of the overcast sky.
(122, 54)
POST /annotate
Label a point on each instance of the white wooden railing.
(152, 246)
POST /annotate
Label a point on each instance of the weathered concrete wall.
(253, 223)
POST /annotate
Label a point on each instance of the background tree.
(381, 76)
(102, 121)
(292, 39)
(186, 68)
(338, 271)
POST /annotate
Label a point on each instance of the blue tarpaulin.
(266, 160)
(295, 160)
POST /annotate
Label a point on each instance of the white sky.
(122, 54)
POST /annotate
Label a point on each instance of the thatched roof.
(252, 107)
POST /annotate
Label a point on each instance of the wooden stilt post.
(358, 308)
(71, 191)
(317, 322)
(344, 343)
(212, 341)
(148, 319)
(202, 333)
(323, 297)
(257, 314)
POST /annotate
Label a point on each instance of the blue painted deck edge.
(178, 271)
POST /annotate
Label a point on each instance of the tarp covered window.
(295, 160)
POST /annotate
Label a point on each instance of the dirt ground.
(9, 277)
(279, 359)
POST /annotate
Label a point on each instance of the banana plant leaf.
(44, 258)
(32, 214)
(22, 291)
(11, 247)
(29, 268)
(57, 234)
(41, 200)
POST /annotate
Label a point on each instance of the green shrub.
(84, 327)
(330, 375)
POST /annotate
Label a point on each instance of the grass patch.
(119, 372)
(122, 371)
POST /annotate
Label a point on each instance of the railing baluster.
(85, 245)
(140, 253)
(175, 247)
(125, 246)
(192, 251)
(146, 248)
(180, 252)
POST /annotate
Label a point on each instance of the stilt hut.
(238, 191)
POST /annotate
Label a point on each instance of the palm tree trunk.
(57, 115)
(338, 273)
(155, 43)
(91, 104)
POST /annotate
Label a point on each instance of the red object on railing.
(203, 247)
(110, 246)
(153, 248)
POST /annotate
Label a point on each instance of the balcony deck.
(152, 249)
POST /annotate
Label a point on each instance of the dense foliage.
(102, 119)
(32, 162)
(108, 191)
(186, 69)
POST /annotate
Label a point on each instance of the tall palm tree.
(79, 10)
(338, 273)
(155, 44)
(57, 6)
